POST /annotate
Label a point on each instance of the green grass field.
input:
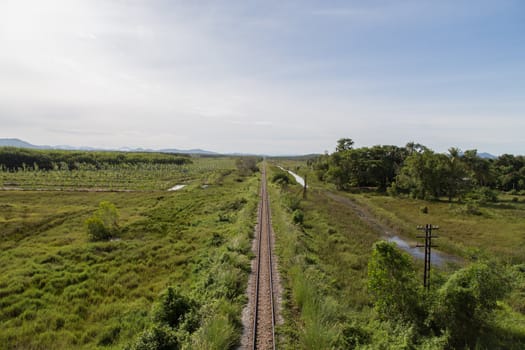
(495, 229)
(59, 290)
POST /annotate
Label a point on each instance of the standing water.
(297, 178)
(438, 259)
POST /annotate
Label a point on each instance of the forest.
(420, 172)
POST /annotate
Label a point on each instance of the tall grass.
(322, 293)
(59, 290)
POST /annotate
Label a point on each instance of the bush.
(171, 308)
(246, 165)
(298, 217)
(465, 302)
(97, 230)
(158, 337)
(392, 190)
(483, 195)
(393, 284)
(470, 208)
(292, 202)
(104, 223)
(281, 178)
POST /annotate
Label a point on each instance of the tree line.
(14, 159)
(418, 171)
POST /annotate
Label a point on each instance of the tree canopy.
(418, 171)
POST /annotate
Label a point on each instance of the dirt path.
(363, 213)
(438, 258)
(261, 313)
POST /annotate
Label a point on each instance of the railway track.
(263, 332)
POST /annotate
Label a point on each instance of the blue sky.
(264, 76)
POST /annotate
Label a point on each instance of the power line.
(428, 250)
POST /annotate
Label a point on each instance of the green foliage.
(323, 268)
(246, 165)
(172, 308)
(470, 208)
(483, 195)
(363, 167)
(104, 223)
(57, 292)
(292, 202)
(418, 171)
(298, 216)
(459, 312)
(464, 304)
(157, 337)
(14, 159)
(96, 229)
(393, 285)
(217, 333)
(344, 144)
(517, 296)
(325, 261)
(430, 175)
(122, 177)
(282, 178)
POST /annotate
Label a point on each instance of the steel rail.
(263, 211)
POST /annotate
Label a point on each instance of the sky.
(272, 77)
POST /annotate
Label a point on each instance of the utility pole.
(428, 247)
(304, 188)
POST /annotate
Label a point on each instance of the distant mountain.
(7, 142)
(17, 143)
(487, 155)
(188, 151)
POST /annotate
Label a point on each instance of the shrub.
(171, 308)
(465, 302)
(246, 165)
(392, 190)
(281, 178)
(483, 195)
(97, 230)
(292, 202)
(393, 284)
(158, 337)
(104, 222)
(298, 216)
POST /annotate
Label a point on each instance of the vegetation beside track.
(324, 264)
(59, 289)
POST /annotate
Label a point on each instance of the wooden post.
(428, 251)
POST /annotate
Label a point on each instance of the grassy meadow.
(324, 258)
(60, 290)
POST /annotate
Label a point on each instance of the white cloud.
(230, 76)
